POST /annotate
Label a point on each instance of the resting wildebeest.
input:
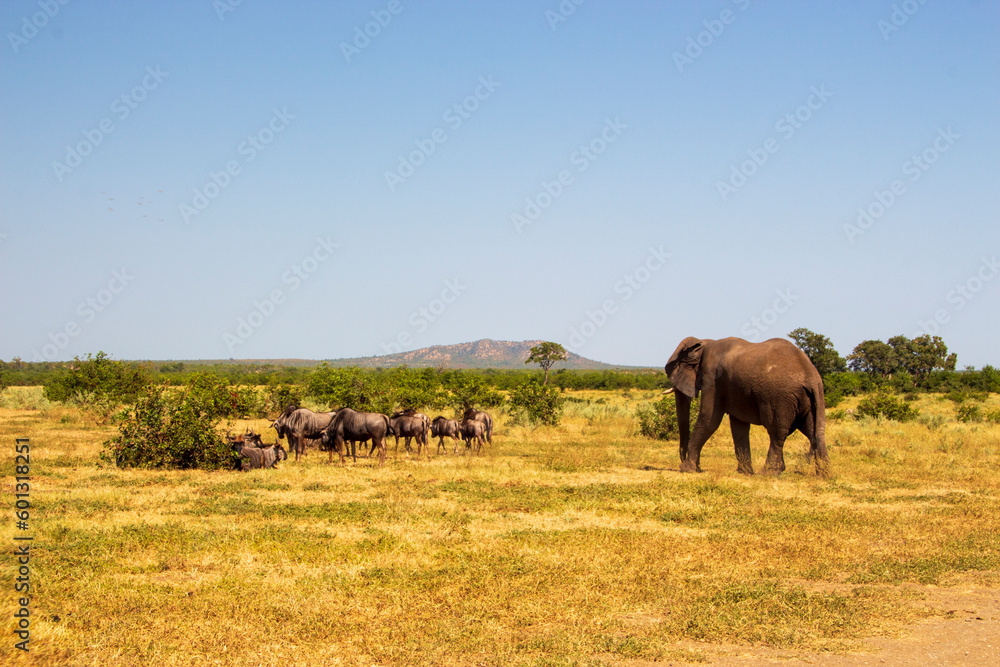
(301, 424)
(408, 425)
(480, 416)
(473, 430)
(357, 426)
(442, 427)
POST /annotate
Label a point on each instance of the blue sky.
(201, 179)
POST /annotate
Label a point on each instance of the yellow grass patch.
(574, 544)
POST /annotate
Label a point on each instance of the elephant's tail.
(818, 444)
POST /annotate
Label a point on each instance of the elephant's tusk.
(669, 391)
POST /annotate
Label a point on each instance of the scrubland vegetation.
(571, 544)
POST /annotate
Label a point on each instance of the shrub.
(993, 416)
(99, 384)
(169, 429)
(965, 394)
(537, 403)
(969, 413)
(471, 389)
(659, 420)
(352, 388)
(214, 395)
(278, 396)
(887, 405)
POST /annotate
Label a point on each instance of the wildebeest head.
(279, 424)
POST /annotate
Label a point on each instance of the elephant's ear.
(682, 368)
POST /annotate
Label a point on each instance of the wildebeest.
(253, 456)
(410, 425)
(480, 416)
(301, 424)
(442, 427)
(357, 426)
(473, 430)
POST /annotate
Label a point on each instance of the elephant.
(773, 384)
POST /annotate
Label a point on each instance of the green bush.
(278, 396)
(993, 416)
(352, 388)
(969, 413)
(215, 395)
(99, 383)
(884, 403)
(536, 403)
(471, 389)
(659, 420)
(165, 428)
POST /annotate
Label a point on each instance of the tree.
(874, 358)
(922, 355)
(820, 351)
(545, 355)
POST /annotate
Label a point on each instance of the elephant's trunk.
(683, 402)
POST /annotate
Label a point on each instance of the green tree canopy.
(820, 351)
(545, 355)
(922, 354)
(874, 358)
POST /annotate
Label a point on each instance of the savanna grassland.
(576, 544)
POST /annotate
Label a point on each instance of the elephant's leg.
(817, 448)
(775, 463)
(741, 440)
(708, 421)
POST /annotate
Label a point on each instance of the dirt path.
(965, 632)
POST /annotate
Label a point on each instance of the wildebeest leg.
(381, 450)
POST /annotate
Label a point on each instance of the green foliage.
(874, 358)
(169, 429)
(416, 389)
(218, 397)
(352, 388)
(536, 403)
(820, 351)
(659, 420)
(921, 355)
(277, 396)
(471, 389)
(964, 394)
(99, 378)
(883, 403)
(838, 385)
(969, 413)
(545, 355)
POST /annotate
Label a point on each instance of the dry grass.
(580, 544)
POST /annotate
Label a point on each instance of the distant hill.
(484, 353)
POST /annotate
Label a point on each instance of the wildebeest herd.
(339, 430)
